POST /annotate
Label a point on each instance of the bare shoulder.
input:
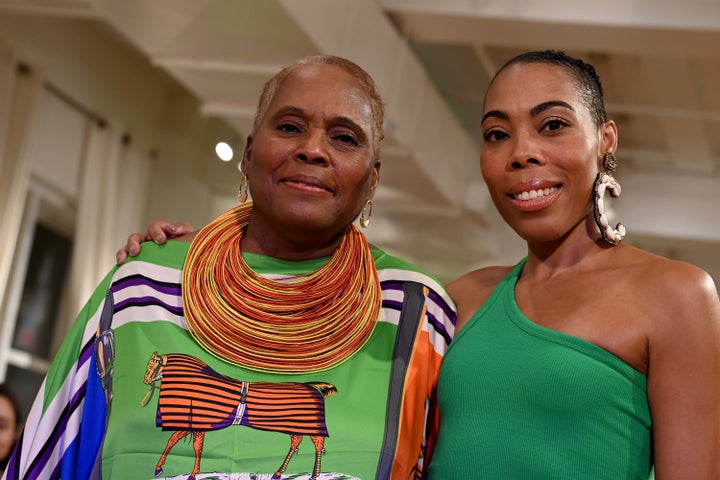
(471, 290)
(682, 297)
(673, 283)
(482, 278)
(690, 296)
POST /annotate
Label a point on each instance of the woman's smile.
(307, 183)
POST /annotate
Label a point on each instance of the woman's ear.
(609, 137)
(247, 154)
(374, 178)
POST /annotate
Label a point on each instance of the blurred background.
(110, 113)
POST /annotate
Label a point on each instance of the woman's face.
(8, 427)
(310, 165)
(541, 150)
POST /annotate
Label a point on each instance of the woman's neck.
(578, 247)
(296, 247)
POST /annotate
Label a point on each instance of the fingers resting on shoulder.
(158, 231)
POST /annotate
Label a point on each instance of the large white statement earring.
(603, 182)
(365, 214)
(243, 188)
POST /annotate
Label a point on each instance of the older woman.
(589, 358)
(277, 325)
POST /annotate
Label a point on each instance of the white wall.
(152, 140)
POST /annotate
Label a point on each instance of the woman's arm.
(684, 376)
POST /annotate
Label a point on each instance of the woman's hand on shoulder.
(471, 290)
(684, 373)
(159, 231)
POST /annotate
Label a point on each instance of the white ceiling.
(659, 61)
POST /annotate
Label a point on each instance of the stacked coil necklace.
(304, 323)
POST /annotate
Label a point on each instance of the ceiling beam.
(209, 65)
(699, 15)
(53, 8)
(440, 147)
(667, 112)
(231, 110)
(520, 31)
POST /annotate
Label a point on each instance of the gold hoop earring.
(365, 214)
(603, 182)
(243, 189)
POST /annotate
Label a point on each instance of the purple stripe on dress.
(41, 461)
(392, 304)
(432, 319)
(170, 288)
(440, 301)
(86, 352)
(56, 472)
(432, 297)
(12, 467)
(145, 301)
(55, 437)
(439, 327)
(391, 285)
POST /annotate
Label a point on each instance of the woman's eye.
(495, 136)
(288, 127)
(347, 138)
(554, 125)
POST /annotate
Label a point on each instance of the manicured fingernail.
(173, 228)
(159, 238)
(132, 250)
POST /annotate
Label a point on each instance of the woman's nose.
(313, 148)
(526, 161)
(525, 152)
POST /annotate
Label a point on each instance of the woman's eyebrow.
(537, 109)
(340, 119)
(496, 114)
(534, 111)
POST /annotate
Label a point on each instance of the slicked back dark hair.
(588, 81)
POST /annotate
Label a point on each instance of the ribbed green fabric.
(520, 401)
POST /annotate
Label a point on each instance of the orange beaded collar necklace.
(304, 323)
